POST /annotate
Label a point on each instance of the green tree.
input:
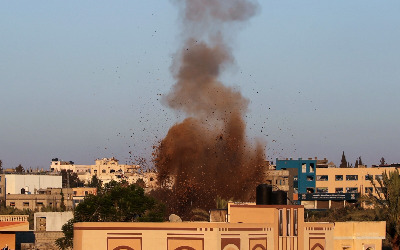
(1, 166)
(19, 169)
(382, 161)
(140, 182)
(221, 203)
(95, 182)
(356, 164)
(116, 201)
(387, 204)
(343, 162)
(360, 162)
(70, 179)
(62, 205)
(66, 242)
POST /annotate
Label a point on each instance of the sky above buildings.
(81, 80)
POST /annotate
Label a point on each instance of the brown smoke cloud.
(208, 154)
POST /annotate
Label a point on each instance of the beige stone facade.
(349, 180)
(50, 197)
(249, 227)
(106, 169)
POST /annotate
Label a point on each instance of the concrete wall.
(15, 182)
(54, 220)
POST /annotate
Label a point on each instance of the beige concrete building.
(105, 169)
(81, 192)
(249, 227)
(50, 197)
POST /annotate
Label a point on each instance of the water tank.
(279, 197)
(263, 194)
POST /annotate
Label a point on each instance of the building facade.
(249, 227)
(319, 185)
(50, 197)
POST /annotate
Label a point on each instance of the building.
(317, 184)
(248, 227)
(106, 169)
(50, 197)
(2, 189)
(48, 228)
(12, 229)
(80, 193)
(30, 183)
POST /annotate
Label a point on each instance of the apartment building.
(317, 184)
(106, 169)
(50, 197)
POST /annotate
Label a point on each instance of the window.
(378, 177)
(310, 177)
(368, 177)
(12, 204)
(351, 190)
(322, 190)
(95, 172)
(338, 177)
(351, 177)
(75, 192)
(103, 171)
(322, 178)
(25, 204)
(39, 204)
(304, 168)
(295, 178)
(86, 192)
(311, 167)
(310, 190)
(369, 190)
(339, 190)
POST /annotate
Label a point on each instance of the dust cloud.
(208, 154)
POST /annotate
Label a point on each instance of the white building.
(19, 183)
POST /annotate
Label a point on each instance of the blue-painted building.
(301, 176)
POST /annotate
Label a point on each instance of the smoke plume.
(208, 155)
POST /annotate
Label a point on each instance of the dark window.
(368, 177)
(378, 177)
(322, 190)
(338, 190)
(25, 204)
(310, 177)
(338, 177)
(12, 204)
(322, 178)
(351, 177)
(351, 190)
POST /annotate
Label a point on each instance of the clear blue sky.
(81, 80)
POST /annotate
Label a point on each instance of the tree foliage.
(386, 204)
(115, 202)
(70, 179)
(95, 182)
(19, 169)
(343, 162)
